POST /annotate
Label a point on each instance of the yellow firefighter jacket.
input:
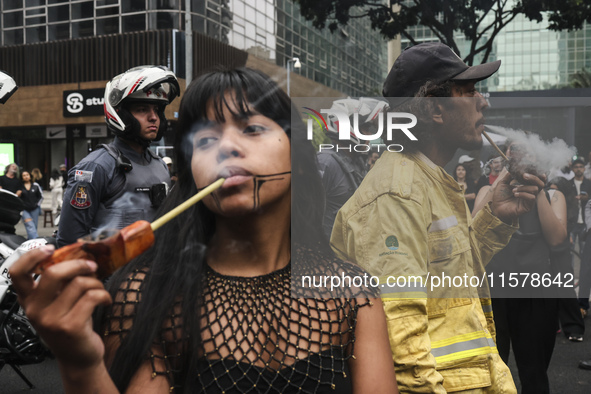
(409, 219)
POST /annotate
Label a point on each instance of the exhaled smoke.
(532, 153)
(128, 201)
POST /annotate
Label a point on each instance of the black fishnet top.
(256, 336)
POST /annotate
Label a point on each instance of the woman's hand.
(60, 307)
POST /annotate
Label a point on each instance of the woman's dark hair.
(30, 176)
(176, 262)
(55, 174)
(455, 174)
(569, 191)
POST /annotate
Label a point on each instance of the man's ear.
(437, 111)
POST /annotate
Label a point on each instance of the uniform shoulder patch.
(81, 198)
(83, 176)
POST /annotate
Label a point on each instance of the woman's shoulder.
(127, 293)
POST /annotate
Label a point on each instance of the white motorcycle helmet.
(367, 108)
(7, 87)
(156, 84)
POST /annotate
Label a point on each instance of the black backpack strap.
(345, 167)
(123, 163)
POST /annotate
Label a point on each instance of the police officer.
(343, 168)
(124, 181)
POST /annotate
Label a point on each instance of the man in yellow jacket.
(408, 224)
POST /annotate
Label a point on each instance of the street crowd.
(214, 306)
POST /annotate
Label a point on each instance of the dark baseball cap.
(432, 61)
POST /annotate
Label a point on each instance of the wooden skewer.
(156, 224)
(494, 145)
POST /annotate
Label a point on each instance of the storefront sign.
(55, 132)
(96, 131)
(86, 102)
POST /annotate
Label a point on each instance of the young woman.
(232, 316)
(460, 175)
(526, 315)
(55, 185)
(32, 196)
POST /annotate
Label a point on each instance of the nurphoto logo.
(352, 132)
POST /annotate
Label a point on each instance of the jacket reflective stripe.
(487, 308)
(463, 346)
(443, 224)
(412, 287)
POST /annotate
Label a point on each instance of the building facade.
(57, 50)
(534, 57)
(352, 60)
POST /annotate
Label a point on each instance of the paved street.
(565, 377)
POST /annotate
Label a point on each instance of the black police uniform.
(101, 194)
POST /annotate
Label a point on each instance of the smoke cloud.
(542, 155)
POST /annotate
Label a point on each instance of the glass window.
(250, 14)
(13, 37)
(198, 24)
(56, 1)
(107, 11)
(198, 6)
(107, 26)
(12, 4)
(13, 19)
(59, 32)
(102, 3)
(82, 29)
(238, 8)
(82, 10)
(36, 34)
(133, 23)
(166, 20)
(58, 14)
(33, 3)
(35, 11)
(164, 4)
(212, 15)
(133, 5)
(34, 21)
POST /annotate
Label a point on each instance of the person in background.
(492, 169)
(461, 176)
(582, 188)
(472, 166)
(11, 180)
(585, 272)
(37, 175)
(64, 174)
(566, 172)
(32, 196)
(371, 159)
(343, 169)
(569, 314)
(173, 176)
(587, 172)
(56, 183)
(526, 317)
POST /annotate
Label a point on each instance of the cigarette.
(494, 145)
